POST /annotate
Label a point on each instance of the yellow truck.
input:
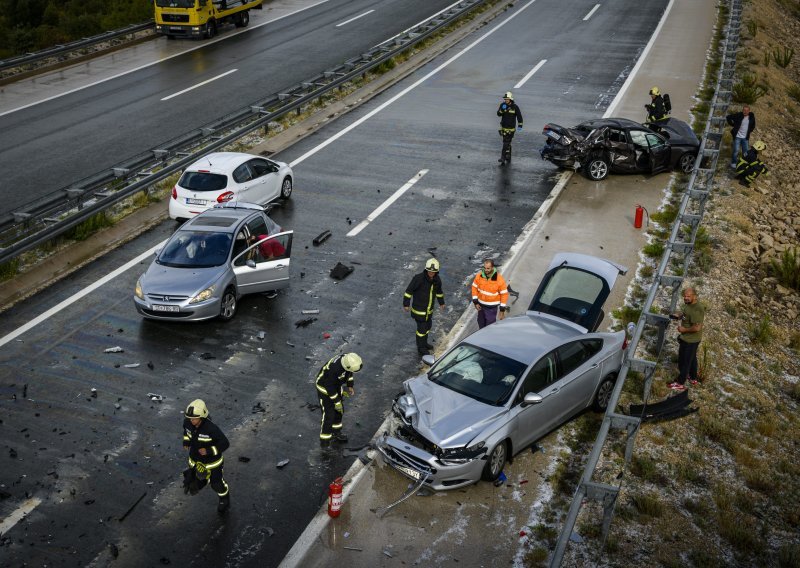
(201, 18)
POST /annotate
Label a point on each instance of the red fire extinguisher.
(335, 497)
(637, 219)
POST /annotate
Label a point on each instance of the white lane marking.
(530, 74)
(642, 57)
(135, 69)
(419, 23)
(18, 514)
(74, 298)
(354, 19)
(385, 205)
(407, 90)
(193, 87)
(592, 11)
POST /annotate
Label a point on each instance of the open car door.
(575, 288)
(660, 153)
(264, 265)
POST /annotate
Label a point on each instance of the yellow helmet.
(351, 362)
(196, 409)
(432, 265)
(655, 91)
(508, 96)
(759, 146)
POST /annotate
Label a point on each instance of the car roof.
(523, 338)
(617, 122)
(221, 162)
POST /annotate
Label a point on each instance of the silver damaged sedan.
(510, 383)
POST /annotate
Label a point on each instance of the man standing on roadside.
(510, 121)
(690, 329)
(420, 294)
(489, 294)
(742, 124)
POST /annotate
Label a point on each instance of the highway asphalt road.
(88, 462)
(49, 146)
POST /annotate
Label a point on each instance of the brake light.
(224, 197)
(175, 192)
(203, 171)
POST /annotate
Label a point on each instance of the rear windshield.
(203, 181)
(574, 295)
(195, 249)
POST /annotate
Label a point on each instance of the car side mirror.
(157, 251)
(428, 359)
(251, 263)
(530, 399)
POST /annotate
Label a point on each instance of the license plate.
(413, 473)
(160, 308)
(554, 135)
(195, 201)
(176, 28)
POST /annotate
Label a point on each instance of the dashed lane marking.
(353, 19)
(385, 205)
(193, 87)
(18, 514)
(530, 74)
(591, 12)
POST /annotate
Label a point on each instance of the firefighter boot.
(224, 504)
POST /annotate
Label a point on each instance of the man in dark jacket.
(418, 299)
(510, 121)
(657, 112)
(742, 125)
(205, 443)
(750, 165)
(334, 382)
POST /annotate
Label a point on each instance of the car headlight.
(204, 295)
(138, 289)
(463, 455)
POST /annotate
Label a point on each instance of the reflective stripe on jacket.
(490, 290)
(332, 378)
(510, 116)
(420, 293)
(207, 435)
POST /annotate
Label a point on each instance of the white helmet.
(432, 265)
(351, 362)
(196, 409)
(508, 96)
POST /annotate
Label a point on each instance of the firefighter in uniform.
(657, 112)
(334, 382)
(510, 121)
(750, 165)
(205, 443)
(419, 296)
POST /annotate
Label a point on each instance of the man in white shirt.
(742, 124)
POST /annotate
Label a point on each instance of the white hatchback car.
(229, 176)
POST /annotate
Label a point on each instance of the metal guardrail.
(667, 283)
(72, 46)
(43, 219)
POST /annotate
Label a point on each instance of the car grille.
(410, 435)
(166, 299)
(167, 314)
(175, 17)
(402, 458)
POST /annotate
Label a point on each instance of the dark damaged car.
(507, 385)
(618, 145)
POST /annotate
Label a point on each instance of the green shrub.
(89, 227)
(648, 504)
(748, 90)
(787, 268)
(760, 332)
(767, 57)
(782, 58)
(794, 92)
(627, 314)
(654, 250)
(752, 28)
(9, 269)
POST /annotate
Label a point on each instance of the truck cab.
(201, 18)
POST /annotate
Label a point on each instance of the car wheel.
(227, 307)
(495, 462)
(242, 19)
(211, 29)
(603, 395)
(596, 168)
(686, 162)
(286, 188)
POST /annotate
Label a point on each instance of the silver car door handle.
(594, 366)
(280, 266)
(554, 391)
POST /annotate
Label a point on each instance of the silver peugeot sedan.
(211, 261)
(507, 385)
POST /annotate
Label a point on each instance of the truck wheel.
(211, 29)
(242, 19)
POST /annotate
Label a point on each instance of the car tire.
(211, 29)
(603, 394)
(242, 19)
(228, 305)
(597, 168)
(495, 462)
(686, 162)
(286, 188)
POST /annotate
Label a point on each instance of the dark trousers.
(487, 315)
(198, 480)
(423, 329)
(505, 154)
(687, 361)
(331, 419)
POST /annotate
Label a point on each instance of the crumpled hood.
(169, 281)
(447, 418)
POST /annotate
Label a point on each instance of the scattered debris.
(269, 531)
(262, 335)
(116, 349)
(290, 344)
(131, 365)
(88, 502)
(132, 507)
(353, 548)
(307, 312)
(523, 532)
(321, 238)
(258, 407)
(501, 479)
(523, 482)
(340, 271)
(206, 356)
(304, 322)
(155, 397)
(112, 548)
(281, 464)
(244, 459)
(326, 335)
(94, 392)
(25, 391)
(12, 453)
(117, 405)
(150, 365)
(387, 553)
(575, 537)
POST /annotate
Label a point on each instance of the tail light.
(625, 343)
(224, 197)
(175, 192)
